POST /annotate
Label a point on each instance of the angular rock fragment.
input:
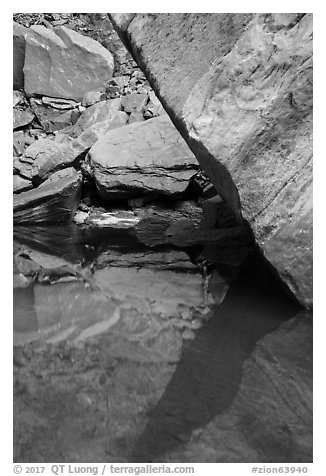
(134, 102)
(92, 97)
(54, 201)
(60, 103)
(84, 141)
(136, 117)
(120, 81)
(18, 98)
(21, 140)
(21, 184)
(22, 117)
(148, 158)
(154, 107)
(43, 158)
(19, 45)
(64, 64)
(52, 119)
(103, 111)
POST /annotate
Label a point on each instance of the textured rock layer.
(42, 158)
(143, 158)
(239, 89)
(54, 201)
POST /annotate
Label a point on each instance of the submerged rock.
(54, 201)
(159, 291)
(64, 64)
(168, 260)
(242, 98)
(148, 158)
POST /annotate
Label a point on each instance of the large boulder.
(149, 158)
(239, 89)
(62, 63)
(54, 201)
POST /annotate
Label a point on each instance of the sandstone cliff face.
(239, 89)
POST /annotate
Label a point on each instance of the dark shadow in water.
(76, 244)
(208, 375)
(80, 245)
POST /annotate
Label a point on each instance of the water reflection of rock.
(240, 391)
(146, 283)
(209, 377)
(25, 318)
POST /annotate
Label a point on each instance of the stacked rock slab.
(43, 158)
(146, 158)
(54, 201)
(64, 64)
(239, 89)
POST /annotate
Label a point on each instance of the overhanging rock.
(239, 89)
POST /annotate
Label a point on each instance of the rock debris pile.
(89, 131)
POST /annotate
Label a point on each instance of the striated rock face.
(144, 158)
(54, 201)
(239, 89)
(64, 64)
